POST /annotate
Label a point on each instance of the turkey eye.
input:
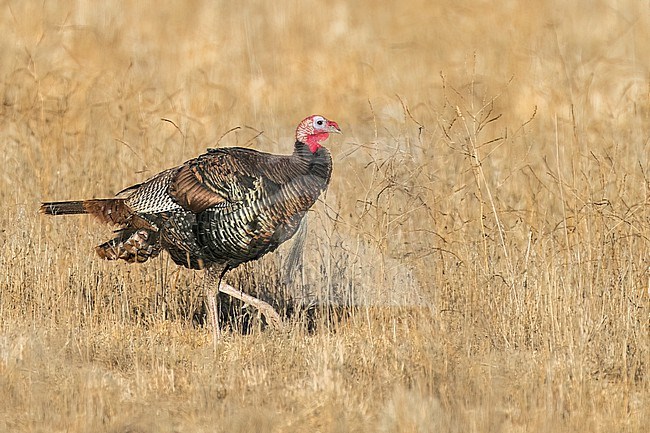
(319, 123)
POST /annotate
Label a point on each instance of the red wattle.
(313, 141)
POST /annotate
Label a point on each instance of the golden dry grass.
(489, 215)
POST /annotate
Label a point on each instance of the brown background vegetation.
(488, 217)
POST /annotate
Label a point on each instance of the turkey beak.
(334, 128)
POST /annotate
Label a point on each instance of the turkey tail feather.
(63, 208)
(110, 210)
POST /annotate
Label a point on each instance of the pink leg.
(272, 316)
(211, 295)
(213, 278)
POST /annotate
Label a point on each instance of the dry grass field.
(480, 262)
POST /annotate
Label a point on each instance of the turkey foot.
(272, 316)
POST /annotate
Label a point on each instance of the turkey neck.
(319, 162)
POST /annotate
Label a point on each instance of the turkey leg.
(272, 316)
(214, 280)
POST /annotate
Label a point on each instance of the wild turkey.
(217, 211)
